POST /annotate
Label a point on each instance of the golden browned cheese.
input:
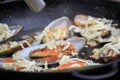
(56, 33)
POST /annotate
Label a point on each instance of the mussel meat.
(52, 51)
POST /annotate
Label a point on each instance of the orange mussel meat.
(51, 55)
(70, 64)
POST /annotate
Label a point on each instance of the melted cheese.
(94, 32)
(5, 32)
(22, 46)
(55, 33)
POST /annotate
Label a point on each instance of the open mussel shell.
(15, 30)
(9, 51)
(78, 43)
(24, 53)
(62, 21)
(57, 30)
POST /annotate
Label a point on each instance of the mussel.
(12, 31)
(7, 49)
(82, 19)
(109, 52)
(57, 30)
(52, 51)
(96, 30)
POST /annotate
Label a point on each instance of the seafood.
(8, 32)
(76, 63)
(109, 52)
(20, 65)
(57, 30)
(53, 51)
(81, 20)
(9, 48)
(59, 44)
(96, 30)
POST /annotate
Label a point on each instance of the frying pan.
(18, 13)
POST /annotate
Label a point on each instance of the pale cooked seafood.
(107, 52)
(96, 29)
(56, 30)
(20, 64)
(7, 32)
(54, 50)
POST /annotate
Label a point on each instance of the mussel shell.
(61, 24)
(78, 42)
(15, 30)
(25, 52)
(62, 21)
(12, 50)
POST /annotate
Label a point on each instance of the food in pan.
(96, 29)
(62, 41)
(108, 52)
(21, 64)
(7, 32)
(49, 52)
(99, 30)
(55, 50)
(57, 30)
(50, 55)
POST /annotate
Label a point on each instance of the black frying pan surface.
(18, 13)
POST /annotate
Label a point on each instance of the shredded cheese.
(94, 32)
(21, 63)
(5, 32)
